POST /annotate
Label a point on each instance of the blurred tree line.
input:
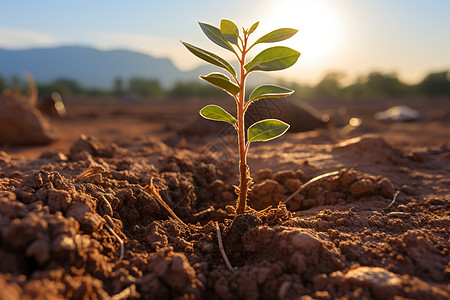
(373, 85)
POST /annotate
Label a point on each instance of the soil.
(377, 227)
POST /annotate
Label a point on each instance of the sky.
(408, 37)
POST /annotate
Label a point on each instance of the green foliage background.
(370, 86)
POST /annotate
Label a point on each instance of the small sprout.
(271, 59)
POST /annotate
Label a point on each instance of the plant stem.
(244, 172)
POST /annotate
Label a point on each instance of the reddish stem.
(243, 147)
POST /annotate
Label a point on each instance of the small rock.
(418, 156)
(384, 284)
(305, 242)
(408, 190)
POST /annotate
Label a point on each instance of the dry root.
(155, 192)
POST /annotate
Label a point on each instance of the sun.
(318, 24)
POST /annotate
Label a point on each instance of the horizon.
(338, 77)
(411, 41)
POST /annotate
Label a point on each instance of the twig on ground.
(110, 225)
(394, 199)
(92, 170)
(303, 186)
(126, 293)
(155, 192)
(204, 212)
(222, 250)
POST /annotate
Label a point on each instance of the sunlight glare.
(318, 24)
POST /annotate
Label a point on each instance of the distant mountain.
(96, 68)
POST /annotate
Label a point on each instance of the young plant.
(271, 59)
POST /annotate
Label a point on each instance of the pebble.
(305, 242)
(384, 284)
(408, 190)
(387, 189)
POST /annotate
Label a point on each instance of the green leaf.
(250, 31)
(273, 59)
(217, 113)
(210, 57)
(266, 130)
(229, 31)
(277, 35)
(269, 91)
(222, 82)
(214, 34)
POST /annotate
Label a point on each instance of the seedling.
(271, 59)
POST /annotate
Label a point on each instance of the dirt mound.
(64, 218)
(299, 115)
(21, 123)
